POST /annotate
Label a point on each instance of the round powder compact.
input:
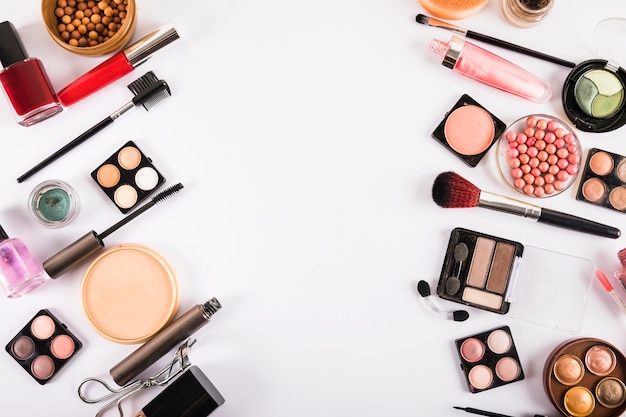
(129, 293)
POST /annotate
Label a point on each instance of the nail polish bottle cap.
(11, 48)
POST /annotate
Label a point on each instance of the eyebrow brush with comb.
(148, 91)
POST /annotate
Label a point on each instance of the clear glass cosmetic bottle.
(481, 65)
(25, 80)
(526, 13)
(19, 272)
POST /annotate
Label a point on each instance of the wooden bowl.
(114, 44)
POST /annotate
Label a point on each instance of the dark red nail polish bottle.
(25, 81)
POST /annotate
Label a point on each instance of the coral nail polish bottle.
(19, 272)
(25, 81)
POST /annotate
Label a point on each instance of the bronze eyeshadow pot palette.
(585, 377)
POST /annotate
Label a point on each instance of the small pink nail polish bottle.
(25, 80)
(19, 272)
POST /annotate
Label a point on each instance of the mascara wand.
(148, 91)
(92, 242)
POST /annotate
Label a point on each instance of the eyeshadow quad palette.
(127, 177)
(586, 377)
(505, 277)
(603, 181)
(489, 359)
(43, 346)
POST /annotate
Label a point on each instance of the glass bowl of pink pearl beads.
(539, 155)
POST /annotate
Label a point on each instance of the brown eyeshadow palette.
(585, 377)
(503, 276)
(603, 181)
(127, 177)
(469, 130)
(489, 359)
(43, 346)
(477, 270)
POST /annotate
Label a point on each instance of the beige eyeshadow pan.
(481, 262)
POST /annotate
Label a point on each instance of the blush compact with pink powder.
(469, 130)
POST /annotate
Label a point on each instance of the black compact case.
(489, 359)
(43, 346)
(581, 118)
(476, 142)
(127, 177)
(480, 266)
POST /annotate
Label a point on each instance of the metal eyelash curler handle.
(118, 395)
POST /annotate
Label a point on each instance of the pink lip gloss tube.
(484, 66)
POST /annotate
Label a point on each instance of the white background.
(301, 131)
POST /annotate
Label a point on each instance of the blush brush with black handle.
(147, 89)
(450, 190)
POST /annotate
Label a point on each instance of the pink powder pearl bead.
(552, 159)
(550, 148)
(552, 125)
(573, 159)
(572, 169)
(529, 189)
(535, 172)
(510, 136)
(554, 169)
(540, 134)
(529, 178)
(562, 163)
(539, 192)
(549, 137)
(543, 166)
(531, 121)
(542, 124)
(532, 152)
(524, 158)
(562, 175)
(539, 181)
(512, 153)
(559, 133)
(549, 178)
(559, 143)
(542, 156)
(517, 173)
(514, 163)
(519, 183)
(549, 188)
(562, 153)
(522, 148)
(521, 138)
(540, 144)
(529, 131)
(559, 185)
(569, 138)
(534, 162)
(525, 168)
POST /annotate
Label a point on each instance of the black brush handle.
(68, 147)
(568, 221)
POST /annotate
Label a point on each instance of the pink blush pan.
(468, 130)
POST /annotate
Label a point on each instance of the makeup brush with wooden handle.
(450, 190)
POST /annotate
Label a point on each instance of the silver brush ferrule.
(144, 48)
(509, 205)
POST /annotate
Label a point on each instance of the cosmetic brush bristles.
(158, 198)
(450, 190)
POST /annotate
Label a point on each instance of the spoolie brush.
(92, 242)
(424, 290)
(450, 190)
(148, 91)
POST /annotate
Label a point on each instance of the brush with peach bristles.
(450, 190)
